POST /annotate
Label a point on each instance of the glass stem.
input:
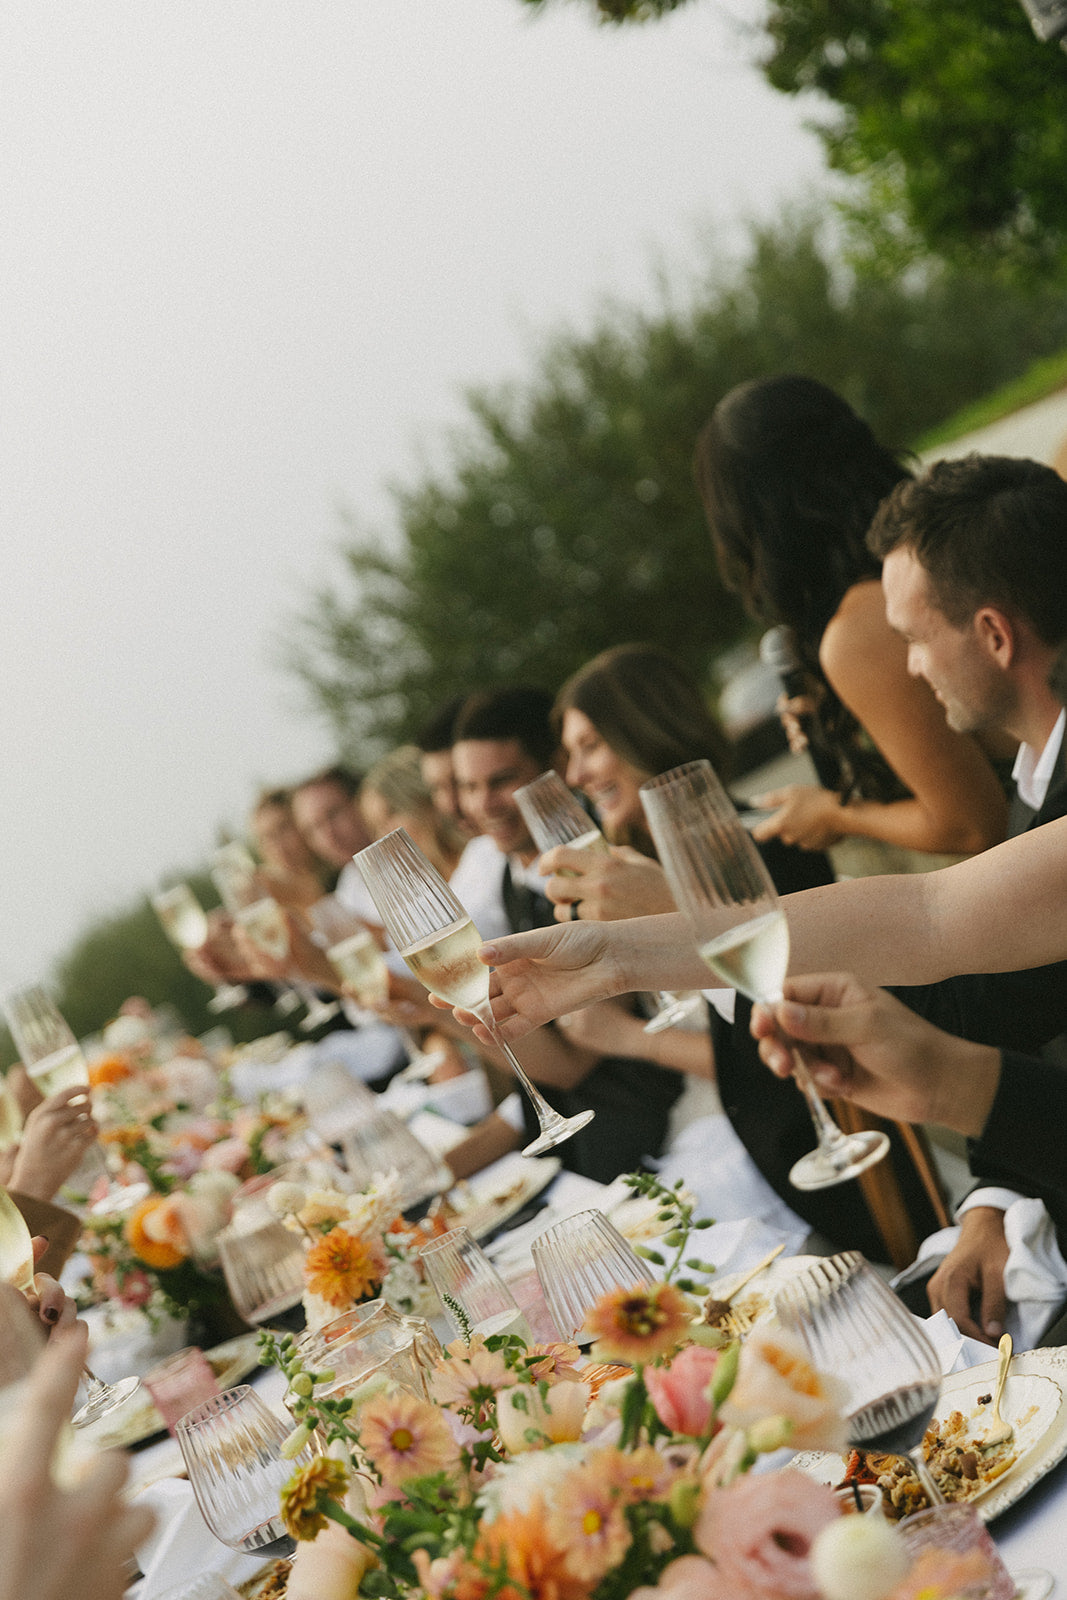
(545, 1114)
(925, 1476)
(827, 1131)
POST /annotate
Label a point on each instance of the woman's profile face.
(611, 783)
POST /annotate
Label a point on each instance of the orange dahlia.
(342, 1269)
(516, 1558)
(109, 1069)
(154, 1234)
(639, 1325)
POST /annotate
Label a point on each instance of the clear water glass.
(464, 1277)
(580, 1260)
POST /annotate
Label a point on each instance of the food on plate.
(269, 1583)
(960, 1467)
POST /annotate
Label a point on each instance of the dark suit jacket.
(1014, 1010)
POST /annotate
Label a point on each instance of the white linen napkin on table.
(182, 1546)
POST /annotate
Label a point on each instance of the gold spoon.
(716, 1310)
(1001, 1431)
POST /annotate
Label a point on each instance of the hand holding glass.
(439, 942)
(711, 864)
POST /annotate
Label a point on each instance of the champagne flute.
(54, 1060)
(263, 919)
(711, 864)
(353, 952)
(10, 1118)
(555, 816)
(16, 1268)
(438, 940)
(185, 924)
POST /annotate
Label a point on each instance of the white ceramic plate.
(490, 1210)
(756, 1303)
(139, 1418)
(1033, 1403)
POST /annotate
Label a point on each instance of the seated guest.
(865, 1046)
(434, 743)
(395, 795)
(629, 714)
(327, 812)
(293, 872)
(504, 739)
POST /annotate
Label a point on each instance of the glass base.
(119, 1198)
(422, 1066)
(823, 1167)
(558, 1132)
(109, 1399)
(318, 1015)
(228, 997)
(1033, 1583)
(670, 1016)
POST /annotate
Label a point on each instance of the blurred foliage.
(953, 114)
(569, 521)
(127, 953)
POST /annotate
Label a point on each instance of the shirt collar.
(1032, 773)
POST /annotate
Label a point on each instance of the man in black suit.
(974, 570)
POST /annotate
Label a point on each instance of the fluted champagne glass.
(185, 924)
(54, 1060)
(554, 815)
(236, 877)
(711, 865)
(16, 1268)
(353, 952)
(437, 938)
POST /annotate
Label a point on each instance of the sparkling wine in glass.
(16, 1268)
(354, 953)
(436, 937)
(10, 1118)
(711, 865)
(184, 921)
(554, 816)
(236, 877)
(855, 1327)
(54, 1060)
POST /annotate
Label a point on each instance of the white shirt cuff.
(998, 1199)
(511, 1111)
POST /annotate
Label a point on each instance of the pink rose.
(688, 1578)
(229, 1155)
(759, 1532)
(680, 1392)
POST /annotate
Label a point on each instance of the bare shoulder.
(858, 639)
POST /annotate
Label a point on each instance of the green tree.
(569, 521)
(956, 115)
(126, 953)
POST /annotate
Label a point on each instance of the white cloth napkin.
(956, 1351)
(182, 1547)
(1035, 1277)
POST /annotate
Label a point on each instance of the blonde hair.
(397, 780)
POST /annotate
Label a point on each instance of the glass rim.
(226, 1400)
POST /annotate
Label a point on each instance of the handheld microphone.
(778, 650)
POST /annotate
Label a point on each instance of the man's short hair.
(341, 777)
(520, 712)
(987, 530)
(438, 731)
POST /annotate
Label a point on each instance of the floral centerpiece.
(359, 1247)
(168, 1118)
(530, 1478)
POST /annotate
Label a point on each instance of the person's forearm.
(910, 826)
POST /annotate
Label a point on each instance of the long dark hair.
(790, 478)
(649, 708)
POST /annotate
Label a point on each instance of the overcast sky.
(250, 255)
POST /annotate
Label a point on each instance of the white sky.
(250, 254)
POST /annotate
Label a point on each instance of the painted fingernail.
(51, 1314)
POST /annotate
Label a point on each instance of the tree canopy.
(954, 113)
(569, 521)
